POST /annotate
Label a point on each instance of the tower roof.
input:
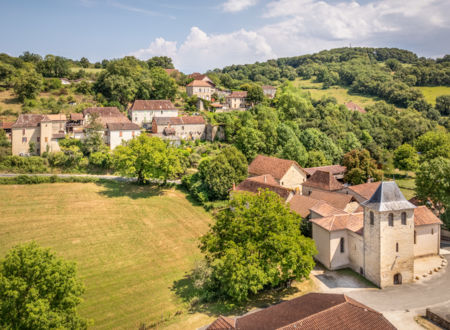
(388, 197)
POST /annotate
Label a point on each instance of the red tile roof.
(337, 200)
(424, 216)
(302, 204)
(313, 311)
(277, 167)
(103, 111)
(323, 180)
(223, 323)
(334, 169)
(199, 83)
(263, 182)
(76, 116)
(152, 105)
(170, 71)
(365, 190)
(268, 87)
(29, 120)
(6, 124)
(198, 76)
(57, 117)
(126, 126)
(354, 107)
(238, 94)
(187, 120)
(353, 222)
(324, 209)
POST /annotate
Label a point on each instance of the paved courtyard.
(400, 304)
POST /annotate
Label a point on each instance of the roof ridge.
(359, 305)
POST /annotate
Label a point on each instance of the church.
(382, 241)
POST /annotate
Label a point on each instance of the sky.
(206, 34)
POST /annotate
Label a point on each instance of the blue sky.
(201, 34)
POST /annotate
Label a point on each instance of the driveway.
(401, 303)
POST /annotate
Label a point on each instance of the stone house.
(142, 112)
(380, 242)
(269, 91)
(117, 133)
(187, 127)
(42, 131)
(202, 77)
(203, 89)
(321, 181)
(310, 311)
(7, 127)
(361, 192)
(338, 171)
(237, 100)
(287, 173)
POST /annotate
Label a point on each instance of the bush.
(19, 164)
(35, 179)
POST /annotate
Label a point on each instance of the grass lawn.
(131, 244)
(431, 93)
(405, 181)
(341, 94)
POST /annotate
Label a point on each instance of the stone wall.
(427, 240)
(321, 238)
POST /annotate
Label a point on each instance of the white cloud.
(201, 51)
(234, 6)
(305, 26)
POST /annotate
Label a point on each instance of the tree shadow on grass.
(185, 289)
(129, 189)
(189, 197)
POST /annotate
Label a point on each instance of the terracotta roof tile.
(334, 169)
(153, 105)
(312, 311)
(323, 180)
(103, 111)
(254, 184)
(353, 222)
(324, 209)
(338, 200)
(6, 124)
(277, 167)
(76, 116)
(187, 120)
(238, 94)
(302, 204)
(268, 87)
(199, 83)
(29, 120)
(123, 126)
(222, 323)
(424, 216)
(365, 190)
(57, 117)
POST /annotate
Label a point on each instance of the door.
(398, 279)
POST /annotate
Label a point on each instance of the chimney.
(265, 179)
(234, 186)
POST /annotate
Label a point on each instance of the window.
(46, 139)
(432, 231)
(120, 133)
(341, 245)
(162, 112)
(415, 237)
(391, 220)
(132, 133)
(403, 218)
(371, 218)
(38, 139)
(396, 247)
(135, 118)
(23, 131)
(24, 139)
(182, 128)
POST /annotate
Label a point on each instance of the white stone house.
(118, 133)
(269, 91)
(142, 112)
(288, 173)
(203, 89)
(187, 127)
(381, 242)
(237, 100)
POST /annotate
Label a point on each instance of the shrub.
(19, 164)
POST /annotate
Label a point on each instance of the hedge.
(35, 179)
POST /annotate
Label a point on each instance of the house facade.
(321, 181)
(269, 91)
(382, 241)
(187, 127)
(38, 131)
(203, 89)
(237, 100)
(142, 112)
(118, 133)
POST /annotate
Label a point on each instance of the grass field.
(430, 93)
(341, 94)
(88, 70)
(131, 244)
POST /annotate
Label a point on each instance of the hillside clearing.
(88, 70)
(130, 243)
(430, 93)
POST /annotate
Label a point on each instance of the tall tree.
(255, 243)
(27, 84)
(160, 61)
(443, 104)
(38, 290)
(360, 167)
(406, 157)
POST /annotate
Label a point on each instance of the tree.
(27, 84)
(433, 182)
(255, 93)
(250, 141)
(443, 104)
(224, 169)
(84, 62)
(433, 144)
(295, 150)
(360, 167)
(160, 61)
(149, 158)
(163, 86)
(406, 157)
(317, 158)
(53, 66)
(255, 243)
(38, 290)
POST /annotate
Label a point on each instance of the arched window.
(341, 244)
(396, 247)
(371, 218)
(403, 218)
(391, 219)
(415, 237)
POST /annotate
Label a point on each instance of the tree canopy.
(39, 290)
(255, 243)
